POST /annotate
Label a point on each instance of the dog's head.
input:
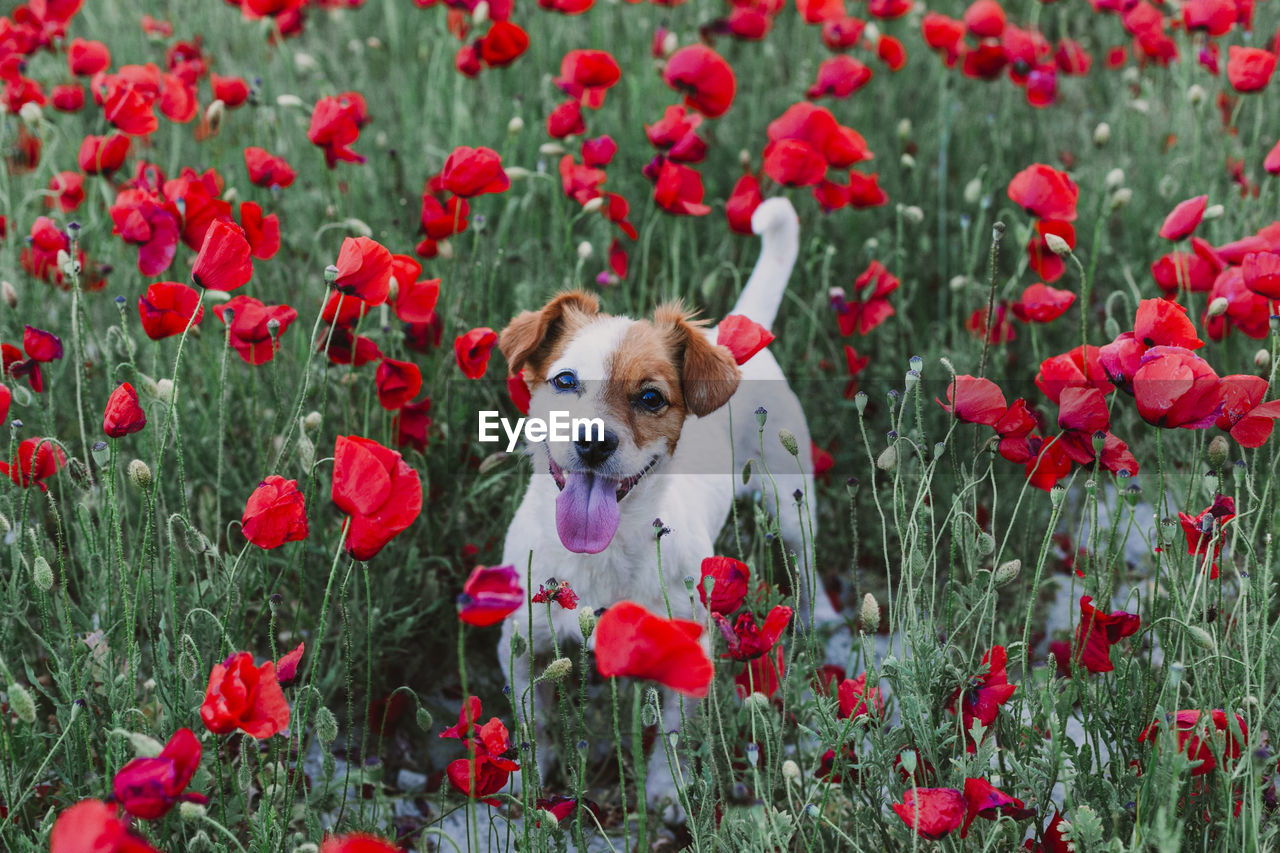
(638, 379)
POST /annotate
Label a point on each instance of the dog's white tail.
(776, 222)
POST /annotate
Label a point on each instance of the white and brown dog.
(680, 423)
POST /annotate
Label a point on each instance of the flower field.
(256, 259)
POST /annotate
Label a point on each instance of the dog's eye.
(565, 380)
(652, 399)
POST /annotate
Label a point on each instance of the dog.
(680, 422)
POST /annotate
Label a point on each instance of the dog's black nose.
(594, 451)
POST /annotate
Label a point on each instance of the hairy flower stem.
(997, 234)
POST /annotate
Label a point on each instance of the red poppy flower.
(67, 190)
(1194, 271)
(263, 233)
(275, 513)
(86, 58)
(1162, 322)
(679, 190)
(232, 91)
(1194, 738)
(335, 125)
(471, 172)
(565, 120)
(478, 777)
(202, 204)
(1261, 272)
(794, 163)
(980, 699)
(1045, 192)
(6, 397)
(343, 347)
(67, 97)
(841, 146)
(472, 351)
(149, 787)
(892, 52)
(984, 19)
(1271, 163)
(490, 595)
(729, 587)
(397, 382)
(503, 44)
(842, 32)
(1049, 463)
(251, 330)
(707, 81)
(377, 489)
(932, 812)
(984, 800)
(1042, 304)
(598, 152)
(1207, 526)
(855, 700)
(411, 423)
(223, 262)
(95, 826)
(586, 75)
(742, 203)
(151, 222)
(872, 307)
(1175, 388)
(556, 592)
(266, 169)
(1215, 17)
(123, 414)
(167, 307)
(357, 842)
(1249, 69)
(1184, 218)
(742, 336)
(817, 11)
(243, 696)
(364, 270)
(632, 642)
(746, 639)
(1249, 420)
(37, 460)
(1098, 632)
(839, 77)
(975, 400)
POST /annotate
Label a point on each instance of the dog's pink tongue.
(587, 512)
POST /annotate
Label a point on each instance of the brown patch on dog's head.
(646, 359)
(708, 373)
(533, 338)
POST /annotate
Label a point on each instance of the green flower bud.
(424, 719)
(326, 726)
(1007, 572)
(42, 574)
(586, 622)
(21, 703)
(787, 439)
(557, 669)
(869, 614)
(1219, 452)
(139, 474)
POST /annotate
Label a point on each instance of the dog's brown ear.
(708, 373)
(527, 340)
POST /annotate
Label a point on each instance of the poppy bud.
(326, 725)
(187, 666)
(42, 574)
(957, 283)
(907, 162)
(790, 770)
(916, 363)
(746, 472)
(1218, 306)
(557, 669)
(445, 250)
(306, 453)
(888, 458)
(754, 701)
(139, 474)
(79, 473)
(516, 173)
(1099, 443)
(1200, 637)
(586, 622)
(584, 248)
(1121, 197)
(1056, 494)
(912, 379)
(1114, 179)
(164, 390)
(480, 14)
(762, 414)
(912, 214)
(997, 232)
(907, 759)
(1213, 211)
(519, 645)
(551, 149)
(21, 703)
(514, 126)
(1101, 134)
(1262, 359)
(1196, 94)
(1057, 245)
(869, 614)
(1007, 572)
(860, 402)
(1219, 452)
(424, 719)
(973, 191)
(986, 544)
(787, 439)
(31, 114)
(312, 421)
(213, 116)
(9, 294)
(5, 527)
